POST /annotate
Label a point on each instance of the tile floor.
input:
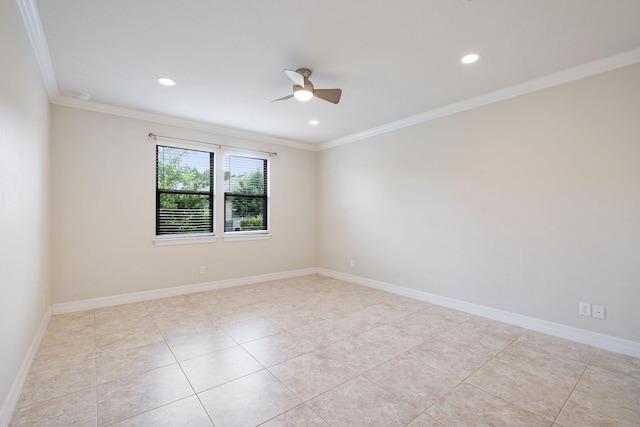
(315, 351)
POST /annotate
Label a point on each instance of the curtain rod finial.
(152, 135)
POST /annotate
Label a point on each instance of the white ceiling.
(393, 60)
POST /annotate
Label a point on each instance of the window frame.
(187, 238)
(247, 234)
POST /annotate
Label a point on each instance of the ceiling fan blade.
(283, 98)
(331, 95)
(295, 77)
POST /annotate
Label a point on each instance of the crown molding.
(565, 76)
(31, 20)
(67, 101)
(33, 26)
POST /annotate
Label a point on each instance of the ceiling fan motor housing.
(304, 72)
(303, 89)
(308, 86)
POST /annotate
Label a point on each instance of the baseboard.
(15, 391)
(92, 304)
(607, 342)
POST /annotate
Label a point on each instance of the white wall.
(529, 205)
(24, 148)
(103, 178)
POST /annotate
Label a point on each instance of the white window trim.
(190, 239)
(241, 236)
(229, 236)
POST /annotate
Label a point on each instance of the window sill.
(185, 240)
(239, 237)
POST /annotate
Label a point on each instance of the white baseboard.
(15, 391)
(92, 304)
(606, 342)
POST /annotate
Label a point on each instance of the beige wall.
(24, 148)
(103, 178)
(530, 205)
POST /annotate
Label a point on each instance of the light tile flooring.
(315, 351)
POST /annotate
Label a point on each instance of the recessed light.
(166, 82)
(470, 58)
(83, 96)
(313, 122)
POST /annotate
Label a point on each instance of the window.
(245, 194)
(184, 191)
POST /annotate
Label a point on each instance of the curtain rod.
(155, 137)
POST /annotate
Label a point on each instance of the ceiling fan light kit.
(302, 94)
(303, 89)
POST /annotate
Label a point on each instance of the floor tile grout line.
(515, 405)
(259, 291)
(140, 373)
(575, 385)
(463, 381)
(351, 378)
(495, 358)
(565, 400)
(528, 410)
(229, 381)
(289, 410)
(186, 377)
(147, 370)
(266, 368)
(150, 410)
(420, 345)
(193, 388)
(350, 336)
(204, 409)
(50, 398)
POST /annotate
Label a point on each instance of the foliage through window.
(245, 193)
(184, 191)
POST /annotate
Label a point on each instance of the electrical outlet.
(203, 270)
(352, 264)
(598, 311)
(585, 309)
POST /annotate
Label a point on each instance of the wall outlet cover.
(584, 309)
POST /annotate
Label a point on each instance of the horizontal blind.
(181, 169)
(245, 186)
(184, 196)
(245, 175)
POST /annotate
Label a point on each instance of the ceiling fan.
(303, 89)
